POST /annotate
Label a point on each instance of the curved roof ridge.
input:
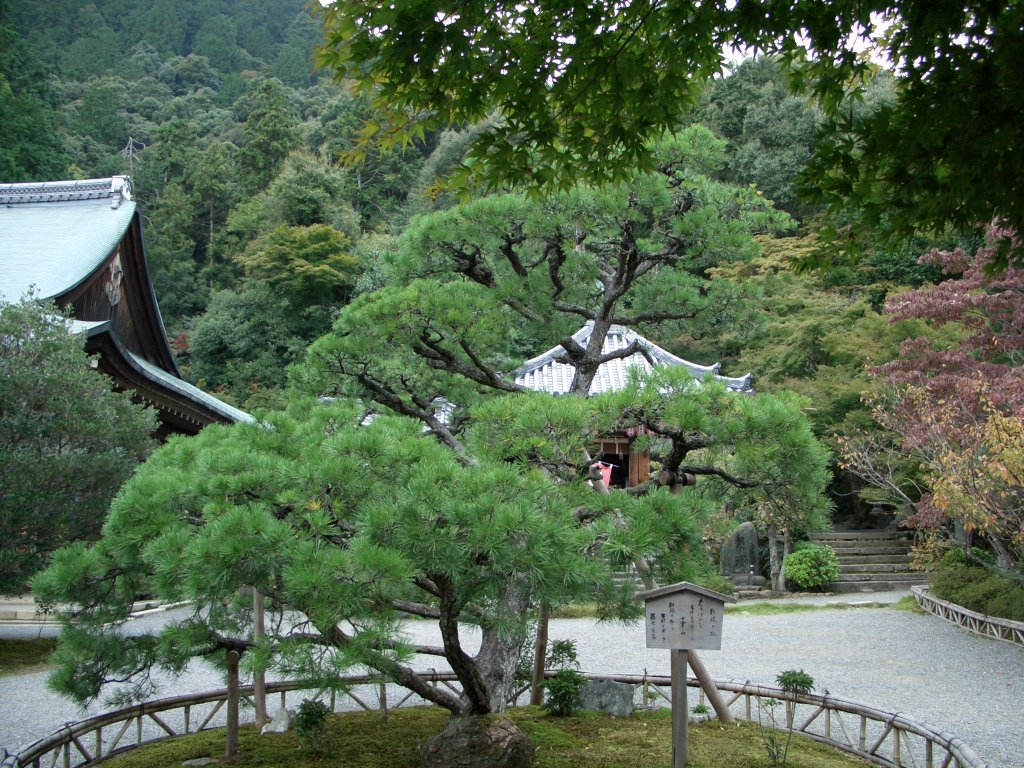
(113, 188)
(546, 372)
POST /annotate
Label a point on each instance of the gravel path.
(895, 660)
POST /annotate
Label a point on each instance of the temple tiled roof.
(546, 373)
(80, 243)
(54, 234)
(193, 393)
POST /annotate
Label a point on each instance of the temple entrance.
(628, 467)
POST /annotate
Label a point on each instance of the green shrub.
(1008, 605)
(563, 699)
(950, 580)
(562, 653)
(978, 595)
(813, 566)
(311, 723)
(956, 556)
(795, 681)
(716, 582)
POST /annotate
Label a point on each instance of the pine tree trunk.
(477, 737)
(478, 742)
(540, 651)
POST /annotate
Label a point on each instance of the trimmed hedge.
(979, 590)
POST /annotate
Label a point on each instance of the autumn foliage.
(958, 412)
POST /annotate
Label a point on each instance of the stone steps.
(876, 585)
(853, 568)
(858, 549)
(862, 558)
(871, 561)
(859, 536)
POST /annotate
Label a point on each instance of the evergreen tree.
(270, 133)
(32, 149)
(243, 343)
(308, 266)
(67, 442)
(491, 512)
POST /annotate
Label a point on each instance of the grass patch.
(367, 740)
(755, 608)
(575, 611)
(908, 603)
(771, 609)
(25, 655)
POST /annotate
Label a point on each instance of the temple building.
(549, 372)
(80, 244)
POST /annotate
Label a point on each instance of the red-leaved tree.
(942, 404)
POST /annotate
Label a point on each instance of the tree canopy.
(32, 149)
(355, 526)
(578, 93)
(475, 290)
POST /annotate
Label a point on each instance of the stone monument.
(740, 558)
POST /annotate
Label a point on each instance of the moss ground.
(24, 655)
(366, 740)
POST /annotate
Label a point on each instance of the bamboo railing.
(987, 626)
(883, 738)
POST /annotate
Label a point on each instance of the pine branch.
(416, 609)
(555, 255)
(508, 249)
(707, 469)
(438, 357)
(655, 317)
(401, 674)
(633, 348)
(575, 309)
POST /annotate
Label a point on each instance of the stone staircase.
(871, 561)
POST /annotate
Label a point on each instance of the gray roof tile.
(545, 373)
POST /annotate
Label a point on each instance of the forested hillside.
(253, 230)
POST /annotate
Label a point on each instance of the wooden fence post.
(680, 711)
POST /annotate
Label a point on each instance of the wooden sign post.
(682, 617)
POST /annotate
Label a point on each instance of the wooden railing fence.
(884, 738)
(988, 626)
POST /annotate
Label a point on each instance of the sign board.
(684, 616)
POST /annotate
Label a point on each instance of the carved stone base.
(478, 742)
